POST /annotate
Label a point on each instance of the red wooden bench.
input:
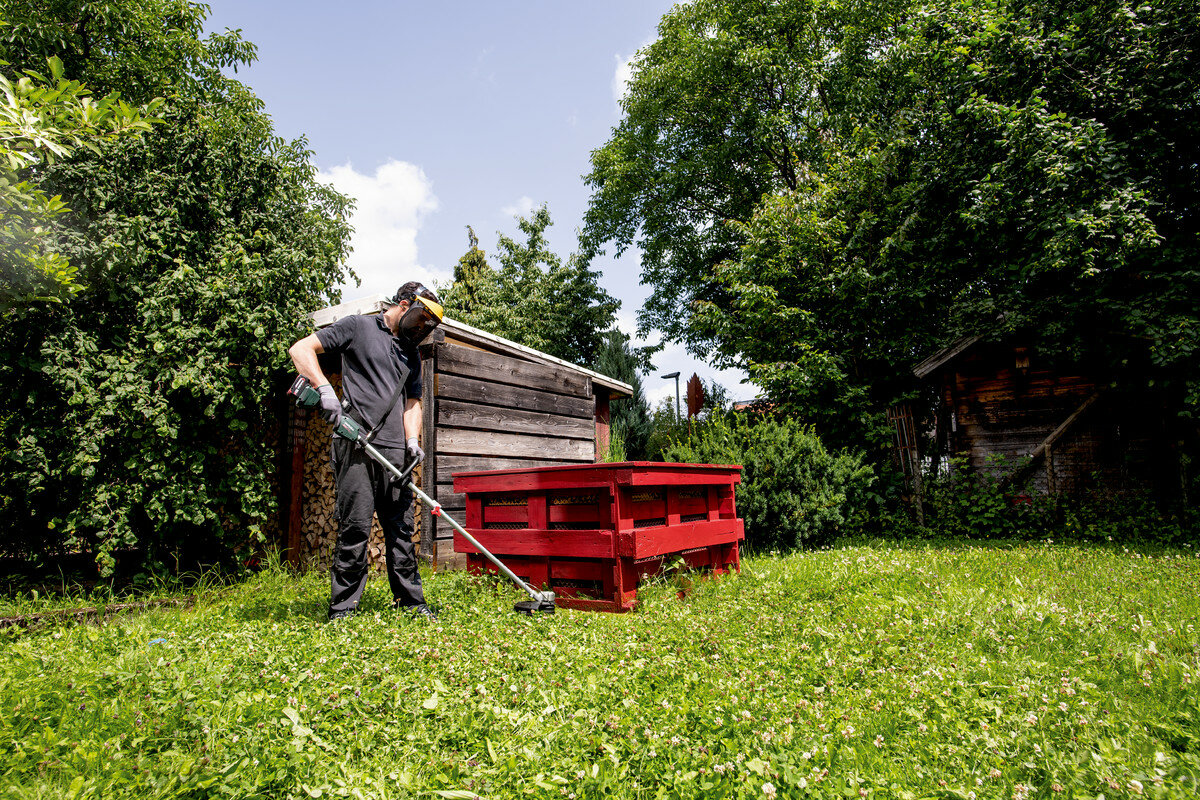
(590, 532)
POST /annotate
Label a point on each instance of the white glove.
(330, 407)
(414, 449)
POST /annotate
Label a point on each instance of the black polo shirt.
(373, 361)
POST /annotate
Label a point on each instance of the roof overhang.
(944, 356)
(373, 304)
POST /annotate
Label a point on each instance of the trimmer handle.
(307, 396)
(412, 464)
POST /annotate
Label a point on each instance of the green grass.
(873, 670)
(21, 597)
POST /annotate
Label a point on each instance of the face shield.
(422, 316)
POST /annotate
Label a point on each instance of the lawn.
(870, 670)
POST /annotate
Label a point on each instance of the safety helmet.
(423, 315)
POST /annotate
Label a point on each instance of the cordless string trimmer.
(308, 397)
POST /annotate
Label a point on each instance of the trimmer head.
(532, 607)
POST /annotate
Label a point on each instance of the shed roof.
(373, 304)
(945, 356)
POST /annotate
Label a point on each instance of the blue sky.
(436, 116)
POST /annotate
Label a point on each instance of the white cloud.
(523, 207)
(624, 71)
(656, 395)
(390, 207)
(626, 321)
(621, 76)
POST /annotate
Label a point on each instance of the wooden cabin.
(1051, 428)
(489, 404)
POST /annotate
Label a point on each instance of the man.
(381, 388)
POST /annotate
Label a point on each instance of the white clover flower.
(769, 789)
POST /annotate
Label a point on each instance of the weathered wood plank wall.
(489, 410)
(1003, 414)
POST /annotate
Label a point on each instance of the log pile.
(319, 527)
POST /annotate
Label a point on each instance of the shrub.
(794, 492)
(976, 504)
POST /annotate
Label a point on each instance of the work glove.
(414, 450)
(330, 407)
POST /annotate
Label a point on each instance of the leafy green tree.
(729, 104)
(474, 283)
(630, 417)
(144, 410)
(826, 192)
(534, 298)
(43, 120)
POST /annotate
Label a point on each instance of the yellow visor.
(433, 307)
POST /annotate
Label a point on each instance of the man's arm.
(412, 419)
(412, 430)
(304, 356)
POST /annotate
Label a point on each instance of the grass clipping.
(1031, 671)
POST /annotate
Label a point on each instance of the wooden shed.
(489, 403)
(1053, 428)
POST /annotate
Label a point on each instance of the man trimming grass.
(381, 373)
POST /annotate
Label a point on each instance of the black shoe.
(420, 610)
(346, 614)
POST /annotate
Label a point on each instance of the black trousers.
(363, 489)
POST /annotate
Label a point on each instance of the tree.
(834, 191)
(42, 121)
(474, 283)
(629, 417)
(535, 298)
(729, 104)
(144, 409)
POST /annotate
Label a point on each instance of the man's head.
(421, 311)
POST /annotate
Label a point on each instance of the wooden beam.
(457, 414)
(1064, 427)
(510, 445)
(498, 394)
(944, 356)
(363, 305)
(450, 464)
(1044, 449)
(507, 370)
(603, 423)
